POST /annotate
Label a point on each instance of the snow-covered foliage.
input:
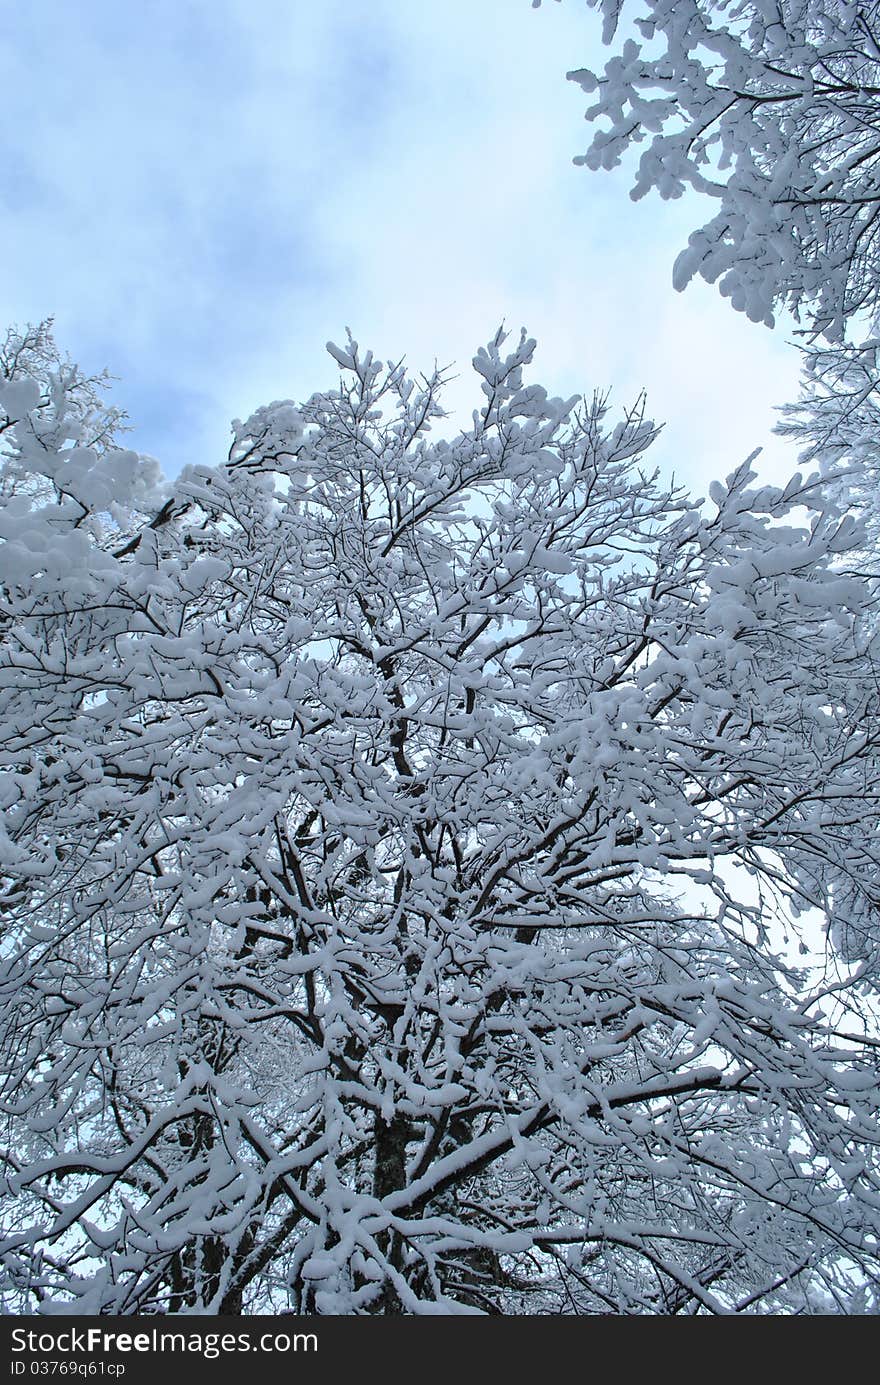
(394, 834)
(772, 108)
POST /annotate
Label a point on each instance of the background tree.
(773, 111)
(393, 835)
(836, 422)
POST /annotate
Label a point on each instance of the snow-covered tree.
(836, 422)
(401, 843)
(771, 109)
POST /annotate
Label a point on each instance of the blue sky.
(202, 192)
